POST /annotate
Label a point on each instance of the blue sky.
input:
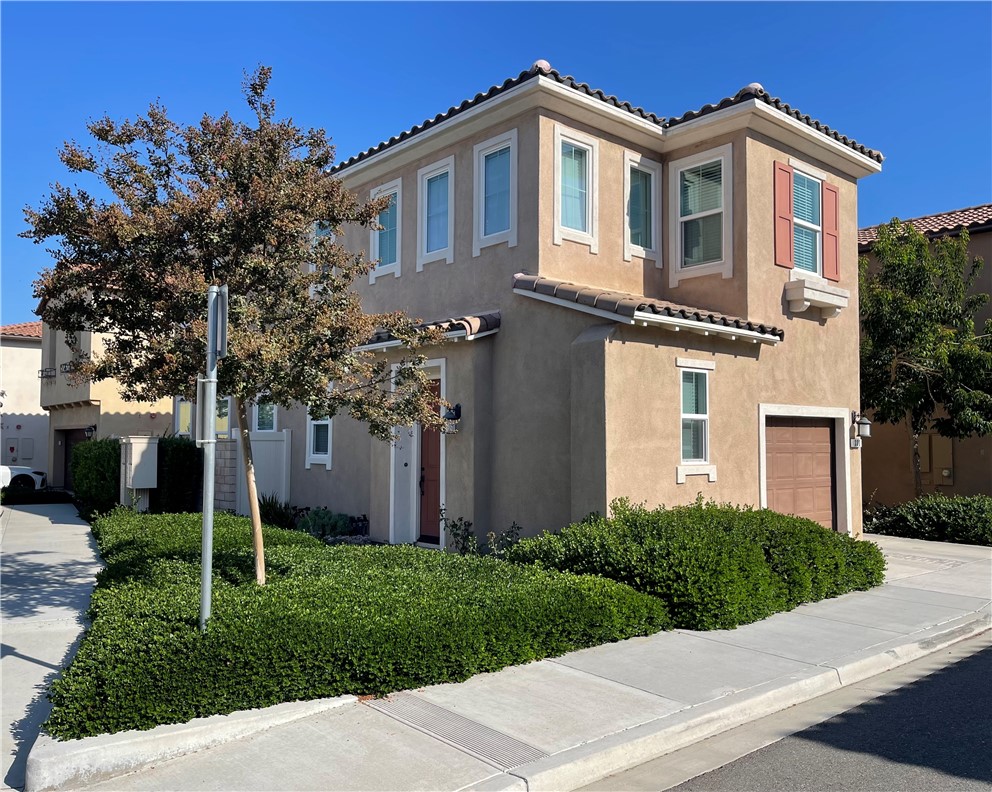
(913, 80)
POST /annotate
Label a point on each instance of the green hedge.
(961, 519)
(331, 620)
(713, 566)
(96, 473)
(180, 476)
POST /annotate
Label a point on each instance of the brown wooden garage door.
(800, 468)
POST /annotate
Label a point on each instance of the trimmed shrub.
(96, 472)
(276, 512)
(963, 519)
(180, 476)
(331, 620)
(714, 567)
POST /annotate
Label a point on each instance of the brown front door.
(800, 468)
(71, 437)
(430, 479)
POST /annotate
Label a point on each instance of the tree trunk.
(917, 475)
(256, 517)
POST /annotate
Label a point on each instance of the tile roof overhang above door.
(460, 328)
(636, 309)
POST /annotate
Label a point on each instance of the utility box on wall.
(139, 470)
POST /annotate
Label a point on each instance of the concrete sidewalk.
(561, 723)
(47, 567)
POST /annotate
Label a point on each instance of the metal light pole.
(206, 434)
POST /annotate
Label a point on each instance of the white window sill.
(681, 273)
(805, 293)
(322, 461)
(694, 470)
(383, 271)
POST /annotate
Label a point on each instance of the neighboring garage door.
(800, 468)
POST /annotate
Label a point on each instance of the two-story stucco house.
(634, 305)
(23, 424)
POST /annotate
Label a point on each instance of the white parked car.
(17, 477)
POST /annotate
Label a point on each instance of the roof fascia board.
(732, 333)
(642, 318)
(444, 133)
(651, 133)
(761, 117)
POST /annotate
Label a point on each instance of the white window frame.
(177, 404)
(230, 419)
(725, 266)
(254, 417)
(689, 467)
(394, 269)
(311, 266)
(319, 459)
(447, 165)
(808, 174)
(640, 162)
(479, 152)
(591, 238)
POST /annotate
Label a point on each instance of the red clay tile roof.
(471, 325)
(628, 304)
(936, 224)
(22, 330)
(542, 68)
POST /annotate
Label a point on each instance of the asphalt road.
(933, 734)
(923, 727)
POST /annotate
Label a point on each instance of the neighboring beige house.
(948, 466)
(634, 306)
(96, 406)
(23, 424)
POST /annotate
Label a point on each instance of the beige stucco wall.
(23, 424)
(563, 411)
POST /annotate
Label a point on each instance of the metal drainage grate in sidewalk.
(484, 743)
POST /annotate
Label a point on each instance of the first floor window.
(319, 442)
(223, 426)
(695, 417)
(184, 417)
(265, 417)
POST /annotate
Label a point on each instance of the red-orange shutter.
(831, 232)
(783, 216)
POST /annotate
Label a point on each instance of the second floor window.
(642, 178)
(387, 243)
(496, 212)
(435, 210)
(701, 213)
(495, 205)
(576, 165)
(807, 225)
(574, 187)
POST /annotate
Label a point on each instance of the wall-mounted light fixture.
(452, 417)
(862, 428)
(89, 431)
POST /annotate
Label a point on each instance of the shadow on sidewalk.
(25, 731)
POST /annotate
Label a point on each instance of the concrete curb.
(61, 765)
(584, 764)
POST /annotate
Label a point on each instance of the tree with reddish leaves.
(250, 205)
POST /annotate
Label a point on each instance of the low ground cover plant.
(331, 620)
(714, 566)
(961, 519)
